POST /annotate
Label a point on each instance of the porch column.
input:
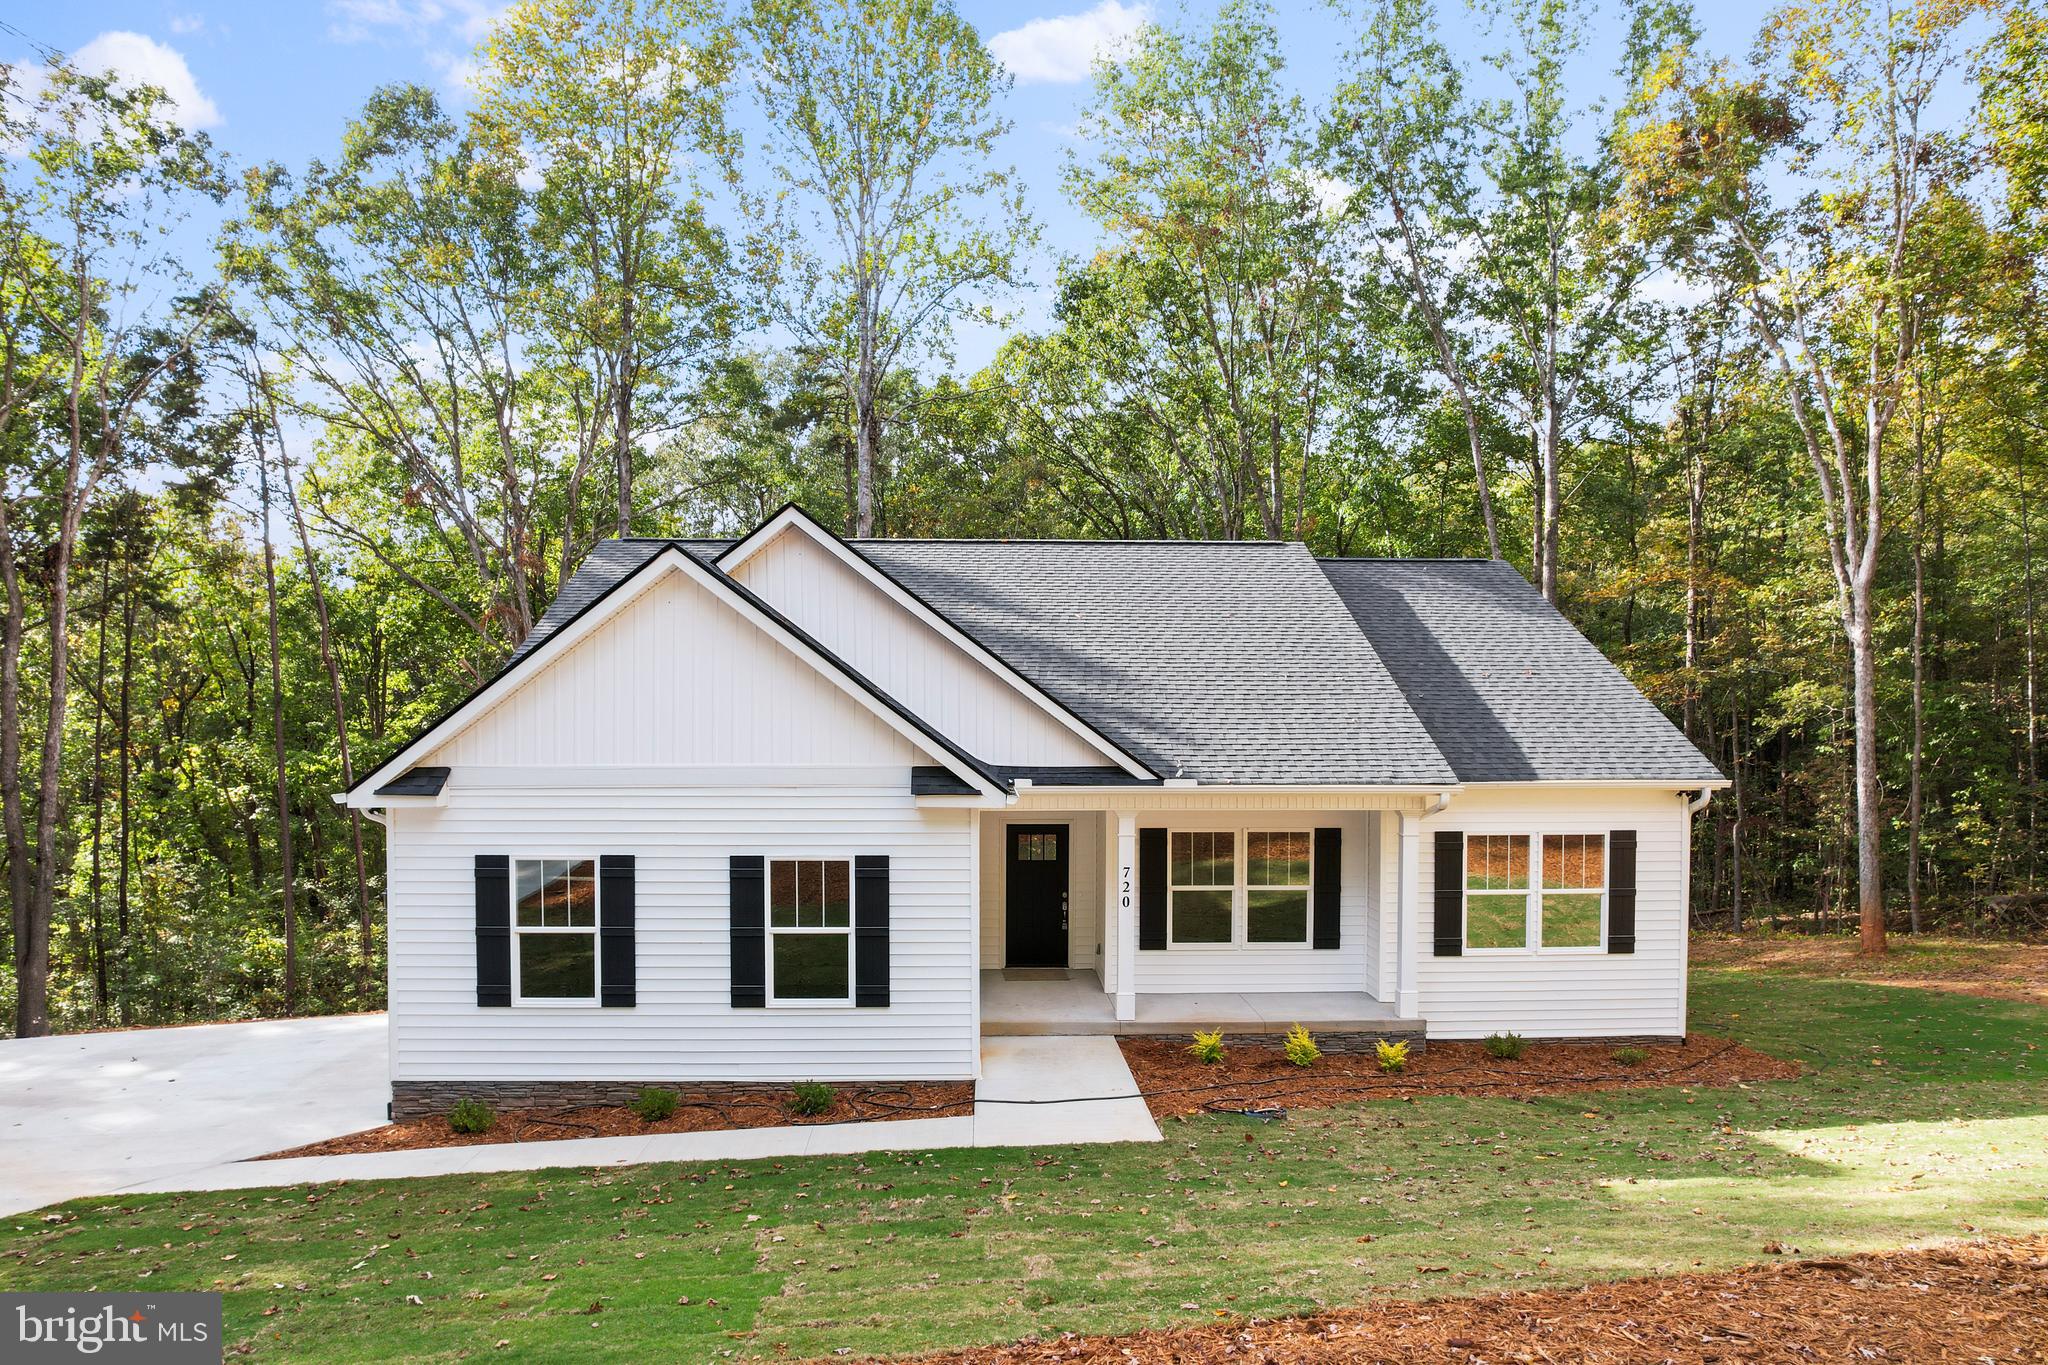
(1407, 992)
(1126, 915)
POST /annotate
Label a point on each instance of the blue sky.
(277, 79)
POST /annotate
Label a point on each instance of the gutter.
(1699, 803)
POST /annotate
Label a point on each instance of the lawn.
(1922, 1115)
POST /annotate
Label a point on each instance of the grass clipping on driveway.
(1251, 1077)
(1967, 1302)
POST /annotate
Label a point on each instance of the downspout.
(1699, 803)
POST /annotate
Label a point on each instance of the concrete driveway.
(96, 1113)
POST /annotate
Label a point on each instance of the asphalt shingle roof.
(1509, 689)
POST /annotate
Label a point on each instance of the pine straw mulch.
(1250, 1077)
(1996, 969)
(1966, 1301)
(765, 1106)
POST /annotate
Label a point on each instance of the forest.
(1740, 358)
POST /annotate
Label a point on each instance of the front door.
(1035, 896)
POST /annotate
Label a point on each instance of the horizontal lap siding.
(683, 1027)
(1562, 995)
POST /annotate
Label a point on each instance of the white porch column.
(1126, 915)
(1408, 994)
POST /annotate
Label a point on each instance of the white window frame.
(1240, 889)
(806, 1002)
(1532, 895)
(578, 1002)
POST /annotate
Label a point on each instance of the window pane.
(1201, 917)
(1276, 917)
(1255, 859)
(810, 966)
(1571, 920)
(838, 895)
(782, 895)
(810, 895)
(1496, 921)
(528, 878)
(557, 966)
(582, 889)
(1277, 859)
(1497, 862)
(1183, 859)
(1216, 859)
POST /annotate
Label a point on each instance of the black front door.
(1035, 896)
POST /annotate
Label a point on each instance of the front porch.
(1015, 1003)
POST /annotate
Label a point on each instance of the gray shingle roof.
(1222, 662)
(1509, 688)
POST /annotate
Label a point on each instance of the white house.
(793, 807)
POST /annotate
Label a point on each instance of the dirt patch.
(696, 1112)
(1997, 970)
(1977, 1301)
(1247, 1077)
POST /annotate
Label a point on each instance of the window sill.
(590, 1004)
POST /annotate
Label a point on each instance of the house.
(794, 807)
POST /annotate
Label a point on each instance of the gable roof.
(1223, 662)
(1509, 688)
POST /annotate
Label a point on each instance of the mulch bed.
(1976, 1301)
(1248, 1077)
(696, 1112)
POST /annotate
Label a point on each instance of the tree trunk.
(1869, 795)
(284, 801)
(125, 769)
(1914, 798)
(99, 799)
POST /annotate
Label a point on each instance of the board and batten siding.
(683, 1026)
(953, 691)
(1565, 994)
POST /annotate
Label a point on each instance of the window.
(1574, 878)
(1497, 891)
(1562, 908)
(1202, 884)
(554, 921)
(810, 931)
(1278, 873)
(1038, 848)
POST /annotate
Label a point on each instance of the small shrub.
(471, 1116)
(811, 1098)
(1207, 1047)
(1393, 1057)
(653, 1105)
(1508, 1047)
(1631, 1056)
(1301, 1047)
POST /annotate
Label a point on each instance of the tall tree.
(885, 219)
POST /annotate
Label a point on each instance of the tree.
(888, 221)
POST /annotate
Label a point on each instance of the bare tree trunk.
(124, 728)
(99, 800)
(1869, 795)
(2031, 771)
(1914, 796)
(284, 800)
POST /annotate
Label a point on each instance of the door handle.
(1063, 912)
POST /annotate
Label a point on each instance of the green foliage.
(471, 1116)
(653, 1105)
(1392, 1056)
(1630, 1056)
(1207, 1048)
(811, 1098)
(1507, 1047)
(1301, 1047)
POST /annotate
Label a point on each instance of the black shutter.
(1621, 891)
(615, 929)
(493, 929)
(1151, 888)
(1324, 900)
(871, 930)
(749, 933)
(1450, 893)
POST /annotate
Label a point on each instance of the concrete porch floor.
(1078, 1005)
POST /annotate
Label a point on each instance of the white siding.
(1565, 994)
(677, 678)
(950, 689)
(1084, 885)
(683, 1026)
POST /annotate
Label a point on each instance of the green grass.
(1923, 1115)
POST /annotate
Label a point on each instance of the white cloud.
(355, 21)
(1062, 49)
(137, 60)
(183, 24)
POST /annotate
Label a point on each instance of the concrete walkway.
(1033, 1092)
(94, 1113)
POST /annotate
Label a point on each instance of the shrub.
(811, 1098)
(1301, 1047)
(471, 1116)
(1207, 1047)
(1393, 1057)
(1506, 1046)
(1631, 1056)
(655, 1105)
